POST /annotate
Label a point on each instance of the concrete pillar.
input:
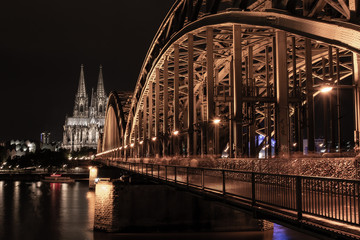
(237, 90)
(190, 136)
(210, 89)
(93, 174)
(165, 109)
(282, 94)
(120, 207)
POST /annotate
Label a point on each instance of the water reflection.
(62, 211)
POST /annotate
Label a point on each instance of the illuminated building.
(87, 123)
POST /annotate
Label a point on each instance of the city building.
(85, 126)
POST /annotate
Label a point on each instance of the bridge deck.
(326, 205)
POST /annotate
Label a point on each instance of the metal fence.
(335, 199)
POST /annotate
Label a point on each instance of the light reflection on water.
(65, 211)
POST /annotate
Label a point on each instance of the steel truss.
(259, 81)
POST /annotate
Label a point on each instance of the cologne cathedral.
(83, 129)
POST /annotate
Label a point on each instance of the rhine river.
(63, 211)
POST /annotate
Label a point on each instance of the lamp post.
(216, 122)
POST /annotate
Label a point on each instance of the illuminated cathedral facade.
(86, 125)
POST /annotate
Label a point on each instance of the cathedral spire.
(100, 91)
(92, 103)
(81, 89)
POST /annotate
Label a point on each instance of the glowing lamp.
(154, 139)
(217, 120)
(132, 145)
(326, 89)
(141, 142)
(176, 132)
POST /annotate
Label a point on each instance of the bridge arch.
(114, 124)
(265, 70)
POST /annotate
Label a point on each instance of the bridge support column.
(165, 109)
(190, 137)
(120, 207)
(150, 120)
(237, 90)
(356, 79)
(145, 139)
(139, 145)
(93, 174)
(210, 89)
(282, 94)
(309, 96)
(176, 146)
(157, 113)
(252, 124)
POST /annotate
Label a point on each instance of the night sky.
(43, 43)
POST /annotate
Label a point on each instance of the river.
(63, 211)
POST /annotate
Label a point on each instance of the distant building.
(87, 123)
(20, 148)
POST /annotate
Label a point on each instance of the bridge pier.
(143, 207)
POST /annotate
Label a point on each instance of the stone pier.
(93, 174)
(124, 207)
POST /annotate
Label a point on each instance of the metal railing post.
(165, 173)
(175, 174)
(298, 197)
(202, 179)
(158, 171)
(187, 176)
(223, 182)
(253, 196)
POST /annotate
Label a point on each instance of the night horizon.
(43, 46)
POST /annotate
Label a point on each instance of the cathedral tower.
(81, 107)
(101, 98)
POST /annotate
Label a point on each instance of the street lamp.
(176, 132)
(153, 139)
(216, 121)
(326, 89)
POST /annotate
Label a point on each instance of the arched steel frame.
(265, 65)
(114, 129)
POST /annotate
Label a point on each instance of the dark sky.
(43, 43)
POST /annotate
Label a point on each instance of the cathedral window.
(100, 109)
(81, 108)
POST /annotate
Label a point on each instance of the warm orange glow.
(176, 132)
(217, 120)
(326, 89)
(132, 145)
(125, 146)
(141, 142)
(154, 139)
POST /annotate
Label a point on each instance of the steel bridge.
(242, 77)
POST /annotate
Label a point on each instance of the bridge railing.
(333, 199)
